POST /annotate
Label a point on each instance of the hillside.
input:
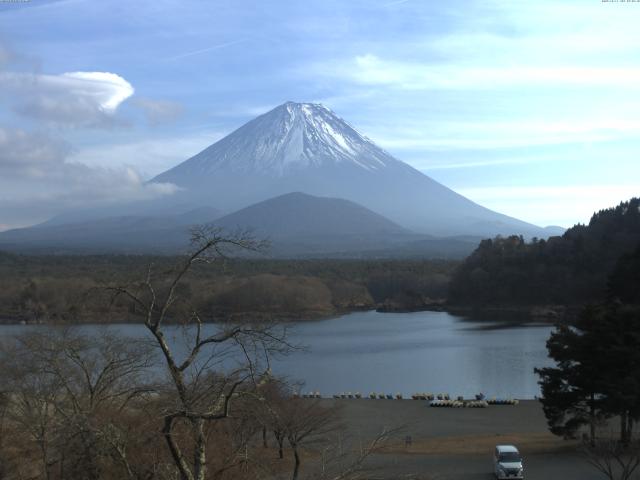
(298, 215)
(122, 234)
(354, 199)
(305, 147)
(571, 269)
(298, 226)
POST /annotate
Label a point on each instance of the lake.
(405, 352)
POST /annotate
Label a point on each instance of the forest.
(596, 377)
(67, 289)
(567, 270)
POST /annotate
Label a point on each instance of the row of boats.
(435, 400)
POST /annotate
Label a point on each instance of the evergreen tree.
(569, 270)
(570, 391)
(597, 372)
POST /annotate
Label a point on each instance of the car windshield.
(510, 457)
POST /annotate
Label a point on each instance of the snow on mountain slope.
(362, 198)
(305, 147)
(289, 137)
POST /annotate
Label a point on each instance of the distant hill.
(360, 201)
(296, 215)
(301, 225)
(569, 269)
(298, 226)
(305, 147)
(123, 234)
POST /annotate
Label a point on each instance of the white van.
(507, 463)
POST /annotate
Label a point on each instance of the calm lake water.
(405, 352)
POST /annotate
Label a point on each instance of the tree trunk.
(62, 464)
(264, 437)
(592, 422)
(280, 440)
(200, 452)
(624, 437)
(296, 466)
(174, 449)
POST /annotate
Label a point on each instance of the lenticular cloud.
(108, 90)
(85, 99)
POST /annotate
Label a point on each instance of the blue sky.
(529, 108)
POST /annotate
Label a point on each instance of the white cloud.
(551, 205)
(108, 89)
(491, 135)
(150, 156)
(86, 99)
(29, 154)
(37, 180)
(371, 70)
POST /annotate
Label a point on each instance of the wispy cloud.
(151, 156)
(370, 69)
(494, 135)
(205, 50)
(474, 87)
(38, 180)
(545, 205)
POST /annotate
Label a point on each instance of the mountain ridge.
(297, 224)
(296, 147)
(306, 147)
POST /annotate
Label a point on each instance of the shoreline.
(518, 315)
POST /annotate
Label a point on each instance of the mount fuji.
(301, 176)
(305, 147)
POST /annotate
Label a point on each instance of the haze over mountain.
(350, 196)
(304, 147)
(132, 233)
(296, 224)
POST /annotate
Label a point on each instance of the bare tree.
(612, 458)
(67, 390)
(270, 411)
(340, 465)
(31, 396)
(218, 365)
(303, 421)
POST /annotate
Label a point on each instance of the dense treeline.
(60, 288)
(567, 270)
(597, 372)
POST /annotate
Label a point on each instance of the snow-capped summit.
(305, 147)
(289, 137)
(371, 201)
